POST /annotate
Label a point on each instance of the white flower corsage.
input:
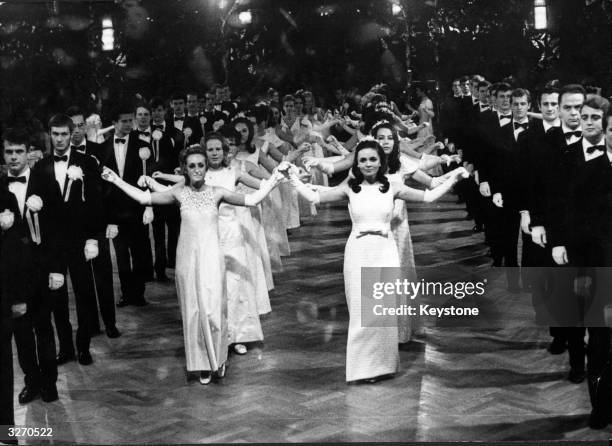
(34, 204)
(157, 135)
(7, 218)
(75, 173)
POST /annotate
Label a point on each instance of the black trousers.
(597, 349)
(504, 224)
(81, 277)
(468, 191)
(103, 274)
(7, 414)
(35, 343)
(165, 216)
(133, 262)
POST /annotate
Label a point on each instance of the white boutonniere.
(203, 120)
(7, 218)
(157, 135)
(75, 173)
(34, 204)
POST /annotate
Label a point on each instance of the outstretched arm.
(338, 193)
(409, 194)
(145, 198)
(252, 199)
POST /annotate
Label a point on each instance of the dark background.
(51, 57)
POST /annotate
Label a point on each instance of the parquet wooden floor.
(488, 384)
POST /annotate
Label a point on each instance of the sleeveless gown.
(370, 351)
(200, 281)
(242, 315)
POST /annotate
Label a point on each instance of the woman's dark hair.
(393, 158)
(355, 182)
(261, 113)
(224, 145)
(249, 142)
(195, 149)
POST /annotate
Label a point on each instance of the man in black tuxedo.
(192, 120)
(546, 181)
(9, 309)
(102, 265)
(570, 233)
(167, 150)
(75, 178)
(534, 145)
(211, 114)
(590, 223)
(497, 139)
(504, 181)
(126, 217)
(33, 267)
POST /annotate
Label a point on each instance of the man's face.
(502, 101)
(591, 120)
(219, 95)
(474, 86)
(192, 104)
(178, 105)
(124, 124)
(465, 87)
(15, 157)
(483, 95)
(80, 130)
(143, 118)
(549, 106)
(201, 104)
(210, 101)
(60, 139)
(520, 107)
(569, 110)
(158, 114)
(608, 134)
(227, 94)
(456, 88)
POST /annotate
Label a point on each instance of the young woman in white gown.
(200, 264)
(372, 352)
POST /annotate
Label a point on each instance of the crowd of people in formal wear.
(219, 184)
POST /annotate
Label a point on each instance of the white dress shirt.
(518, 131)
(61, 169)
(573, 138)
(120, 153)
(596, 153)
(504, 121)
(179, 124)
(20, 189)
(548, 126)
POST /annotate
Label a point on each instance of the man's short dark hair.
(16, 135)
(520, 92)
(548, 90)
(483, 84)
(572, 89)
(74, 110)
(503, 86)
(597, 102)
(61, 120)
(121, 108)
(156, 102)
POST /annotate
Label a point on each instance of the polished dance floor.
(455, 384)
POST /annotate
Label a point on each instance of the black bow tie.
(144, 133)
(80, 149)
(505, 117)
(157, 127)
(119, 140)
(21, 179)
(179, 119)
(576, 133)
(58, 158)
(519, 125)
(594, 148)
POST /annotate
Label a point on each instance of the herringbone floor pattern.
(456, 384)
